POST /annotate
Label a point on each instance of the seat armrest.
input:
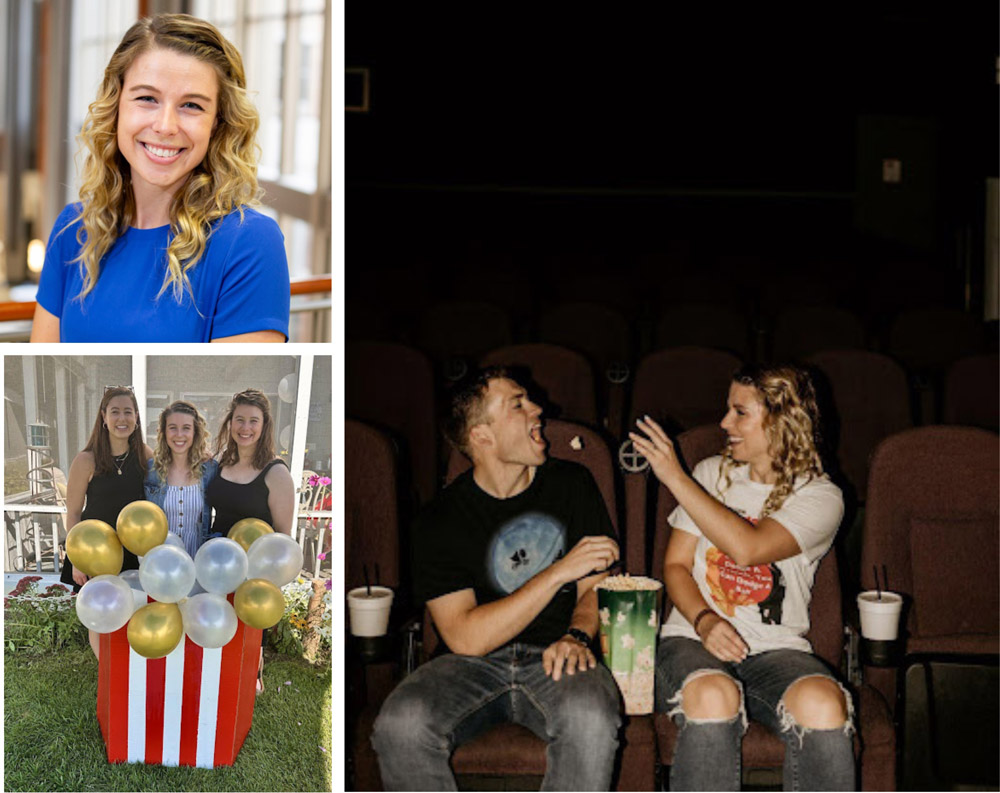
(878, 740)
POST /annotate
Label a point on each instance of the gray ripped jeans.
(707, 754)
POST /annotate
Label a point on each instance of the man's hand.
(568, 653)
(591, 554)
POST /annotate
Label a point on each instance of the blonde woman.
(164, 245)
(749, 532)
(179, 473)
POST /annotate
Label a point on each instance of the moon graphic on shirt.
(523, 548)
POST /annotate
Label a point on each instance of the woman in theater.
(252, 482)
(107, 474)
(746, 539)
(165, 244)
(179, 473)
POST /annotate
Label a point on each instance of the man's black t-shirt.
(467, 539)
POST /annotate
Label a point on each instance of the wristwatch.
(580, 636)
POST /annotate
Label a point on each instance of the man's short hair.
(467, 405)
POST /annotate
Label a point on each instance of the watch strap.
(579, 635)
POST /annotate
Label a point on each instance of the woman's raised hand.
(656, 447)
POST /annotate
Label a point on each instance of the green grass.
(52, 741)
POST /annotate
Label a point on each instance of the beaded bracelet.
(701, 615)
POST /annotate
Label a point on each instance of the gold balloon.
(155, 629)
(142, 526)
(94, 549)
(259, 603)
(247, 530)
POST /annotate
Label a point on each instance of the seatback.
(972, 392)
(714, 325)
(371, 513)
(802, 330)
(932, 520)
(567, 441)
(457, 333)
(870, 400)
(929, 339)
(565, 377)
(683, 387)
(391, 386)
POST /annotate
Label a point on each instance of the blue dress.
(240, 284)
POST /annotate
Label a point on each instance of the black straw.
(368, 584)
(877, 587)
(885, 579)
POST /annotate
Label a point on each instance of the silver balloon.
(209, 619)
(104, 604)
(175, 540)
(221, 565)
(131, 577)
(275, 557)
(166, 573)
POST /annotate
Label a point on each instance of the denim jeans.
(451, 699)
(707, 755)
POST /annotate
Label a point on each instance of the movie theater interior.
(626, 205)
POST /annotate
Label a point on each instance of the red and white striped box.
(194, 707)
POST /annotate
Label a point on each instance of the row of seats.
(924, 340)
(931, 520)
(864, 397)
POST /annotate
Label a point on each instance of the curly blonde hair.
(791, 423)
(226, 180)
(198, 451)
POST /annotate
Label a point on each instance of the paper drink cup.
(369, 613)
(879, 617)
(629, 610)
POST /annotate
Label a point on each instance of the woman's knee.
(711, 696)
(818, 703)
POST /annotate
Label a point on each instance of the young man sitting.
(506, 558)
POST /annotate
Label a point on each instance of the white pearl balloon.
(131, 577)
(209, 620)
(105, 604)
(221, 565)
(276, 557)
(175, 540)
(167, 573)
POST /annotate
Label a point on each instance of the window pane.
(50, 406)
(319, 435)
(263, 56)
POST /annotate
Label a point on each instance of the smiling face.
(744, 424)
(180, 433)
(166, 115)
(120, 417)
(246, 425)
(513, 425)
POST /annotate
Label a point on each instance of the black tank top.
(107, 494)
(233, 502)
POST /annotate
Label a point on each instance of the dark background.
(691, 135)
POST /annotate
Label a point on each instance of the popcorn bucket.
(629, 609)
(193, 707)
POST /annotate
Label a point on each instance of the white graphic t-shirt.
(768, 603)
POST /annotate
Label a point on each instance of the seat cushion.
(502, 750)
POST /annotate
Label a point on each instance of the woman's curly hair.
(198, 450)
(791, 423)
(226, 180)
(225, 447)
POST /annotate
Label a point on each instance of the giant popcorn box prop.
(629, 610)
(193, 707)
